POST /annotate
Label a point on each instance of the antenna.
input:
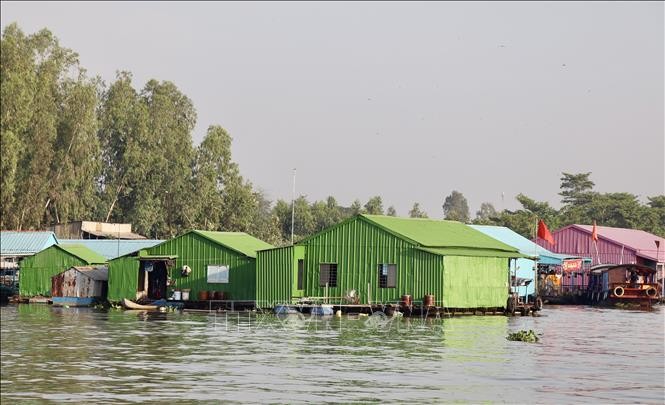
(293, 204)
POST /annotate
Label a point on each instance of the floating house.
(373, 259)
(37, 270)
(524, 268)
(80, 286)
(198, 261)
(614, 246)
(17, 245)
(110, 248)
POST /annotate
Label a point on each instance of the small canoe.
(133, 305)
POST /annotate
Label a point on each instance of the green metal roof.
(472, 252)
(438, 233)
(83, 253)
(238, 241)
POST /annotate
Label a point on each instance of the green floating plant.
(523, 336)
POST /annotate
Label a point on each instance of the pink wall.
(577, 242)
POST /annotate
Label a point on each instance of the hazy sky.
(405, 100)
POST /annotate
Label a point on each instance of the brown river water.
(585, 355)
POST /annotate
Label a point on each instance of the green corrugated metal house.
(219, 261)
(383, 258)
(37, 270)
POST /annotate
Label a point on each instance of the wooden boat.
(133, 305)
(622, 285)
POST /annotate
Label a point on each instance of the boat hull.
(74, 301)
(133, 305)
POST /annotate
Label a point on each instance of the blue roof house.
(522, 267)
(15, 245)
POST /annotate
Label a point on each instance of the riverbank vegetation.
(75, 147)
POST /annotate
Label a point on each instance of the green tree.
(657, 211)
(305, 224)
(126, 149)
(265, 225)
(213, 172)
(374, 206)
(17, 82)
(51, 66)
(282, 211)
(76, 167)
(576, 189)
(416, 212)
(391, 212)
(163, 205)
(485, 213)
(356, 208)
(456, 208)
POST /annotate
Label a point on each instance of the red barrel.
(428, 300)
(203, 295)
(219, 295)
(406, 300)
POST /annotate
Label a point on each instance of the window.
(218, 273)
(301, 274)
(328, 274)
(387, 275)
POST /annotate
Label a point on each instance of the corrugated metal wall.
(475, 282)
(196, 252)
(427, 277)
(36, 271)
(72, 283)
(274, 277)
(358, 247)
(123, 278)
(576, 242)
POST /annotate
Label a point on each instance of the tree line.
(76, 148)
(580, 205)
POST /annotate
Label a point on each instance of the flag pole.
(535, 262)
(293, 204)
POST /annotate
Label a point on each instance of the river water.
(87, 355)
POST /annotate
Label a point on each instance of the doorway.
(153, 275)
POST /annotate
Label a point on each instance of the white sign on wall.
(218, 273)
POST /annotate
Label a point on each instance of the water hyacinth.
(523, 336)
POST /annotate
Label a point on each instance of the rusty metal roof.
(98, 273)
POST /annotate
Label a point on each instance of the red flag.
(594, 232)
(544, 233)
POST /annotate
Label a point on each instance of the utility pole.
(293, 204)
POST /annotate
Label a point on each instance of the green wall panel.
(36, 271)
(123, 278)
(196, 252)
(475, 282)
(358, 247)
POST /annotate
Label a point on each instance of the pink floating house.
(614, 245)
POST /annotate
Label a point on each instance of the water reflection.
(87, 355)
